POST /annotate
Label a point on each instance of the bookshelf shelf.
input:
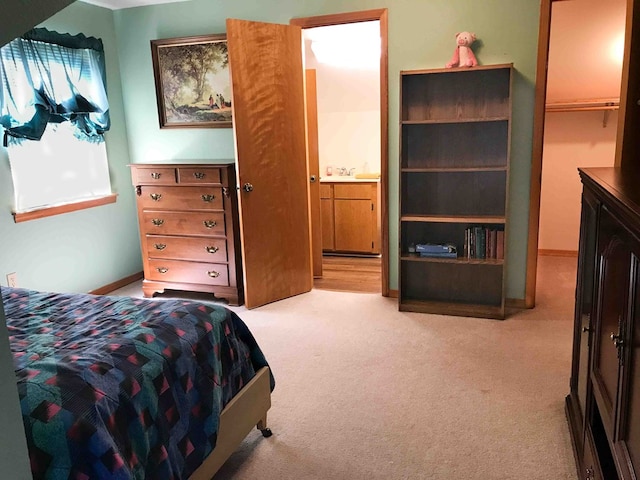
(455, 134)
(456, 120)
(445, 308)
(454, 169)
(460, 260)
(452, 219)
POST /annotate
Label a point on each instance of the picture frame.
(193, 84)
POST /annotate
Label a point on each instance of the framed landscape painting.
(193, 86)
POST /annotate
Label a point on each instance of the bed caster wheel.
(266, 433)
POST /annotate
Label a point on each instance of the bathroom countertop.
(345, 178)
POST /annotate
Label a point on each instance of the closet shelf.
(584, 105)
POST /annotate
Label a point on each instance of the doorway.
(352, 166)
(580, 119)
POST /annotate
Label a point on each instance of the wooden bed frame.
(248, 408)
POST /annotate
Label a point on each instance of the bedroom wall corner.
(14, 458)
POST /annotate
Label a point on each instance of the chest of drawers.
(189, 232)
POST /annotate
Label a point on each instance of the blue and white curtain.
(49, 77)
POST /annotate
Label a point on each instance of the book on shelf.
(500, 244)
(483, 242)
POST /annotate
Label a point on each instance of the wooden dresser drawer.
(182, 223)
(180, 198)
(325, 190)
(199, 249)
(188, 272)
(199, 175)
(154, 176)
(350, 190)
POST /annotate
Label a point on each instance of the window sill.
(66, 208)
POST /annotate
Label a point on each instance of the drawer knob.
(212, 249)
(199, 175)
(157, 221)
(209, 223)
(155, 175)
(162, 269)
(155, 196)
(160, 246)
(208, 198)
(213, 274)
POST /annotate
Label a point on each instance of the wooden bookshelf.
(455, 129)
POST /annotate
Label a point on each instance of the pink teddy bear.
(463, 55)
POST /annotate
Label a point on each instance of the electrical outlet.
(12, 279)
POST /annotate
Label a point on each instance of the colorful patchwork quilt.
(124, 388)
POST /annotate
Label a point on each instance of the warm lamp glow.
(617, 49)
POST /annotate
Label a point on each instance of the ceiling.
(119, 4)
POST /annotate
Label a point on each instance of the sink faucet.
(342, 171)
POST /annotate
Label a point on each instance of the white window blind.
(63, 85)
(58, 169)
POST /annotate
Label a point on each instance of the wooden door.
(326, 212)
(355, 217)
(353, 225)
(265, 62)
(314, 172)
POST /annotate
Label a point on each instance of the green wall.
(421, 35)
(83, 250)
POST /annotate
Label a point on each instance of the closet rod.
(606, 106)
(586, 105)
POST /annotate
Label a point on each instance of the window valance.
(49, 77)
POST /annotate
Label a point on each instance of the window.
(54, 110)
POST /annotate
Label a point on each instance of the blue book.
(439, 255)
(435, 248)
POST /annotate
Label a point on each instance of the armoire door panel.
(628, 432)
(614, 280)
(584, 301)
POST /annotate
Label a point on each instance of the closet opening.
(580, 124)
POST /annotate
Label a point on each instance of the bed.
(127, 388)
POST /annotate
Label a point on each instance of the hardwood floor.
(350, 274)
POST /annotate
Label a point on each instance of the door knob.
(312, 178)
(247, 187)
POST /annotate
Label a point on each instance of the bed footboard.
(246, 410)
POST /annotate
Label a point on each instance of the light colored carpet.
(364, 391)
